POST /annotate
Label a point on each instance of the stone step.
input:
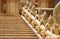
(13, 32)
(26, 33)
(18, 37)
(14, 28)
(2, 32)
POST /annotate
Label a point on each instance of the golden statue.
(49, 23)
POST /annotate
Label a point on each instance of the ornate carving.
(56, 14)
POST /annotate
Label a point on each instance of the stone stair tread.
(17, 34)
(12, 27)
(26, 32)
(20, 37)
(16, 30)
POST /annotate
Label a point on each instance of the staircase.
(12, 27)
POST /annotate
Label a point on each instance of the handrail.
(47, 8)
(44, 8)
(29, 14)
(37, 21)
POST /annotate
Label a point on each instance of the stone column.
(12, 7)
(8, 6)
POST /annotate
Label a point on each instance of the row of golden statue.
(48, 26)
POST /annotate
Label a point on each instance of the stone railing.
(41, 22)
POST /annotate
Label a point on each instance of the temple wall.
(12, 7)
(0, 5)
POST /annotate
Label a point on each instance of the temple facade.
(29, 19)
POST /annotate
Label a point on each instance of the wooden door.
(51, 3)
(4, 4)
